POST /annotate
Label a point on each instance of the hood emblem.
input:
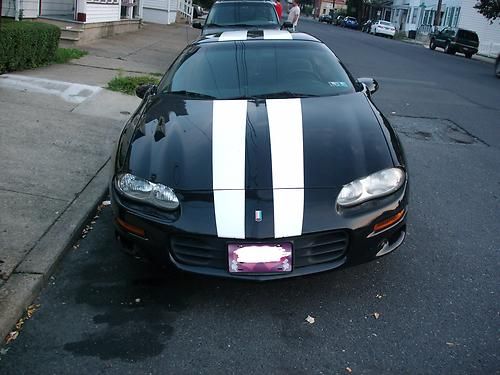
(258, 216)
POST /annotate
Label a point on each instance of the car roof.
(262, 35)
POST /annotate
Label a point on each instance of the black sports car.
(233, 165)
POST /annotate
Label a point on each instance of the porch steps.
(74, 33)
(70, 30)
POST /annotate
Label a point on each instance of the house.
(329, 6)
(167, 11)
(419, 16)
(80, 20)
(489, 33)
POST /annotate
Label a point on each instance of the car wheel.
(432, 45)
(497, 69)
(468, 55)
(448, 49)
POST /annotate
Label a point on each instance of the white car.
(383, 28)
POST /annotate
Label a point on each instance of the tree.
(489, 8)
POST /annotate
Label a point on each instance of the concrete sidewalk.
(57, 130)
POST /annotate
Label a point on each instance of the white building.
(84, 11)
(167, 11)
(489, 34)
(419, 16)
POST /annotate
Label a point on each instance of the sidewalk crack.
(35, 195)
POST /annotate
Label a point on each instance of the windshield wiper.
(191, 94)
(241, 25)
(282, 94)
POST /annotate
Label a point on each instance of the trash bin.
(412, 34)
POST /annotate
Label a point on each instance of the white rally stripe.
(228, 166)
(277, 34)
(287, 160)
(233, 35)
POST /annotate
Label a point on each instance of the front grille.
(200, 251)
(320, 248)
(309, 250)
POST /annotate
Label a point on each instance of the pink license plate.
(260, 258)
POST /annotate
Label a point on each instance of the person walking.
(279, 8)
(294, 14)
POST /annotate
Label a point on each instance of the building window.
(457, 14)
(414, 17)
(449, 20)
(112, 2)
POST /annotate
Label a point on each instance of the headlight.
(373, 186)
(143, 190)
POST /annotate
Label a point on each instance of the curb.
(31, 275)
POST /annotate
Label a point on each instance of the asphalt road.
(437, 296)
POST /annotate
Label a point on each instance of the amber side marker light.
(388, 222)
(131, 228)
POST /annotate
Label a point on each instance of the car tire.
(448, 49)
(432, 45)
(497, 68)
(468, 55)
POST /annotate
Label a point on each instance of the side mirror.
(370, 83)
(287, 25)
(197, 25)
(144, 90)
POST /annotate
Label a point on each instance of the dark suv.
(455, 40)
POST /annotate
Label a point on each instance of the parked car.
(383, 28)
(497, 66)
(325, 18)
(366, 26)
(233, 168)
(350, 22)
(338, 20)
(454, 40)
(238, 15)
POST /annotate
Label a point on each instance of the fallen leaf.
(20, 324)
(31, 309)
(376, 315)
(450, 344)
(106, 203)
(348, 369)
(310, 319)
(379, 296)
(11, 336)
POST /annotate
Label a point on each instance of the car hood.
(341, 140)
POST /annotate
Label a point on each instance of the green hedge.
(26, 44)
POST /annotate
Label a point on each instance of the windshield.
(257, 69)
(385, 23)
(242, 14)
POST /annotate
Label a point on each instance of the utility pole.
(437, 19)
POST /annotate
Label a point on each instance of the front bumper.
(313, 252)
(385, 32)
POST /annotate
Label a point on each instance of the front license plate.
(260, 258)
